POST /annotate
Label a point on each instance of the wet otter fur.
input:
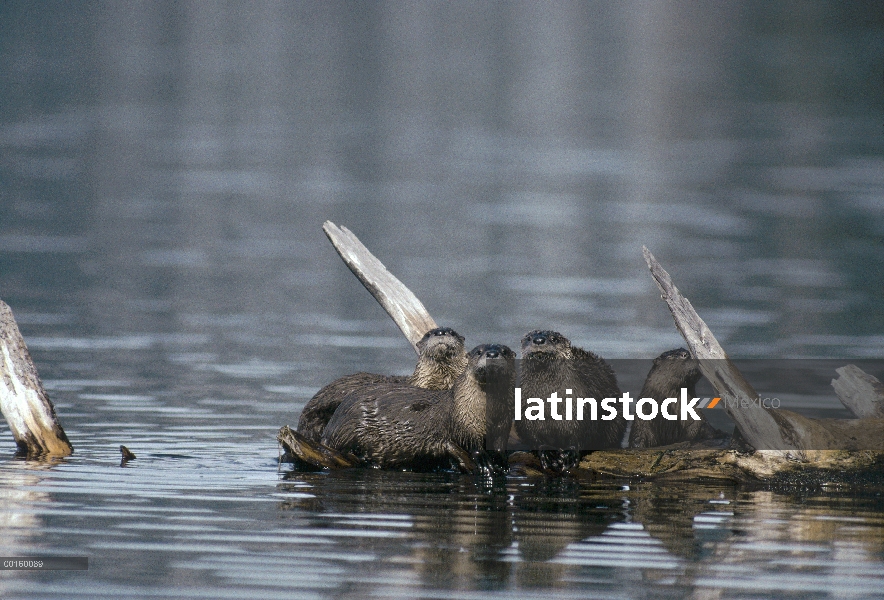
(551, 364)
(398, 426)
(441, 359)
(671, 371)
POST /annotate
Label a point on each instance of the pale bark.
(758, 426)
(23, 400)
(860, 392)
(399, 302)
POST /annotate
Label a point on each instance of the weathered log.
(312, 453)
(23, 400)
(399, 302)
(758, 426)
(698, 461)
(860, 392)
(789, 433)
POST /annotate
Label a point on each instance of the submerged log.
(23, 400)
(399, 302)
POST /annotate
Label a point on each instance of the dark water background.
(165, 168)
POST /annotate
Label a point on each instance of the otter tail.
(300, 450)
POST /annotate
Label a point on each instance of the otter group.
(452, 411)
(455, 410)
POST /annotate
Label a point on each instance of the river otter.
(551, 364)
(670, 372)
(397, 426)
(441, 358)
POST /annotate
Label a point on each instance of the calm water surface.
(164, 172)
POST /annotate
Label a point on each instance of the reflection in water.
(203, 510)
(20, 519)
(804, 547)
(164, 171)
(456, 533)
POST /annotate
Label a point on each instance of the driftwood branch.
(312, 453)
(860, 392)
(779, 430)
(759, 427)
(402, 305)
(23, 400)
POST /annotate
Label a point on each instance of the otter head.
(680, 364)
(440, 343)
(545, 345)
(441, 359)
(490, 362)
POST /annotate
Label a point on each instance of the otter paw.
(490, 463)
(558, 460)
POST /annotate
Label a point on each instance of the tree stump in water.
(23, 400)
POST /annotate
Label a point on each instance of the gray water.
(165, 169)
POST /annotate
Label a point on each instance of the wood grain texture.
(400, 303)
(759, 427)
(860, 392)
(23, 401)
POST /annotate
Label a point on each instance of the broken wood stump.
(23, 401)
(781, 438)
(400, 303)
(859, 392)
(758, 426)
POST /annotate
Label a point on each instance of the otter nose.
(492, 353)
(538, 340)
